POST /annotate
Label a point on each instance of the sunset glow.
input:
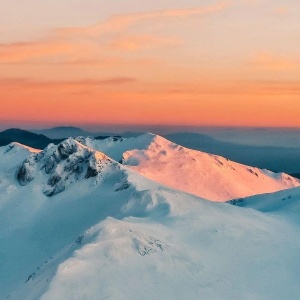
(231, 63)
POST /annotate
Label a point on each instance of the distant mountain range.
(28, 138)
(64, 132)
(278, 159)
(38, 140)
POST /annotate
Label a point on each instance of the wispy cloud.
(92, 44)
(35, 50)
(119, 23)
(67, 53)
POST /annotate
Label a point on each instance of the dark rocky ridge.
(62, 165)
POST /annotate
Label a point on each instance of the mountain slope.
(205, 175)
(119, 235)
(283, 203)
(284, 158)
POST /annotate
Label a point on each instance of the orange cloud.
(24, 82)
(24, 52)
(227, 87)
(144, 89)
(57, 52)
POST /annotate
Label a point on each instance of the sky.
(150, 62)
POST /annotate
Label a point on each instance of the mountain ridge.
(205, 175)
(277, 159)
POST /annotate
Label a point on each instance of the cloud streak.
(20, 83)
(119, 23)
(208, 87)
(22, 52)
(78, 46)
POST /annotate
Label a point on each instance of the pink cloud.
(119, 23)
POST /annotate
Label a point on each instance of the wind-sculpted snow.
(62, 165)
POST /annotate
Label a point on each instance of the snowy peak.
(114, 147)
(158, 146)
(63, 165)
(205, 175)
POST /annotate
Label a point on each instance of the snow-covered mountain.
(79, 225)
(205, 175)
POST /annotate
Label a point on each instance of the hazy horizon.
(94, 127)
(253, 136)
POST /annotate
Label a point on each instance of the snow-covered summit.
(114, 147)
(205, 175)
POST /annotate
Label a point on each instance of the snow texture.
(104, 231)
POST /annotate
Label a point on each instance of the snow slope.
(282, 203)
(208, 176)
(118, 235)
